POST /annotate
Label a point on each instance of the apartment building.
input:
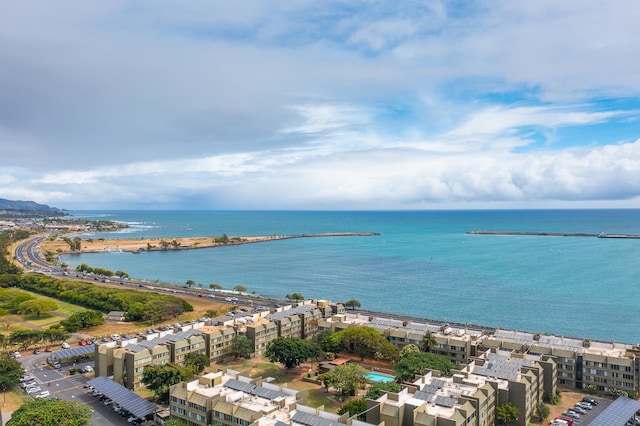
(520, 377)
(226, 398)
(220, 341)
(580, 363)
(468, 398)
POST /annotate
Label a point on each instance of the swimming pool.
(379, 378)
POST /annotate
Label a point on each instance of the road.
(28, 254)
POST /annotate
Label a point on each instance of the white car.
(33, 390)
(88, 369)
(65, 345)
(17, 354)
(44, 394)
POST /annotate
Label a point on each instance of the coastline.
(136, 245)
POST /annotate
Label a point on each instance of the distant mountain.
(27, 205)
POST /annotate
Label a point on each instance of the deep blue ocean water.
(423, 264)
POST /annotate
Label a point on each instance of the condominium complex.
(579, 363)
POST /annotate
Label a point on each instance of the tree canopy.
(103, 299)
(291, 351)
(197, 362)
(366, 342)
(375, 390)
(10, 371)
(352, 304)
(37, 306)
(241, 347)
(82, 319)
(159, 378)
(295, 297)
(415, 363)
(507, 412)
(345, 378)
(240, 288)
(51, 412)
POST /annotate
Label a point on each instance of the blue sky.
(320, 105)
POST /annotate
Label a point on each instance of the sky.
(320, 105)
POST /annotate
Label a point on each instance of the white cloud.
(328, 105)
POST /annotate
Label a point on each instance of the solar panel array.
(500, 368)
(618, 413)
(424, 395)
(251, 389)
(514, 336)
(293, 311)
(313, 420)
(385, 323)
(77, 351)
(122, 396)
(445, 401)
(560, 342)
(181, 335)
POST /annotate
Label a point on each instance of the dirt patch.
(153, 244)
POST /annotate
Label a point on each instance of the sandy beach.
(156, 244)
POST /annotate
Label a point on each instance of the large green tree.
(197, 362)
(159, 378)
(507, 413)
(10, 371)
(353, 407)
(240, 288)
(51, 412)
(352, 304)
(291, 351)
(37, 306)
(241, 347)
(345, 378)
(415, 363)
(366, 342)
(375, 390)
(82, 319)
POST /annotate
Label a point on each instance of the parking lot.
(587, 417)
(60, 384)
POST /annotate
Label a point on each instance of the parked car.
(36, 351)
(65, 345)
(590, 400)
(584, 405)
(26, 378)
(33, 389)
(44, 394)
(17, 354)
(572, 414)
(29, 384)
(88, 369)
(579, 409)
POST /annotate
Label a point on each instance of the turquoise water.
(423, 264)
(379, 378)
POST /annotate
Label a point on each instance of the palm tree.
(428, 341)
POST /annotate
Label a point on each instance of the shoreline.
(130, 245)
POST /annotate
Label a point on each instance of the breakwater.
(556, 234)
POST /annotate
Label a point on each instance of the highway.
(28, 254)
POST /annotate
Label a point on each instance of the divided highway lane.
(28, 251)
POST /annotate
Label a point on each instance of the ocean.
(423, 263)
